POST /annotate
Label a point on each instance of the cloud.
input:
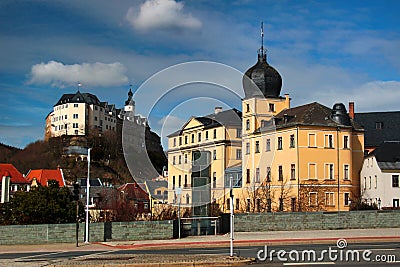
(161, 14)
(96, 74)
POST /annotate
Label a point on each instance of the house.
(158, 193)
(43, 176)
(380, 176)
(218, 137)
(11, 181)
(133, 193)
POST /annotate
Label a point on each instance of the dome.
(267, 79)
(339, 114)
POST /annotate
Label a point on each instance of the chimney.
(217, 110)
(351, 110)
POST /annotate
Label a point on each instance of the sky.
(325, 51)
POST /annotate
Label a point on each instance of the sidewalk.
(240, 239)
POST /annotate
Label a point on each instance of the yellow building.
(305, 158)
(219, 134)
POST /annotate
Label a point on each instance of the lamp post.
(379, 203)
(231, 217)
(87, 199)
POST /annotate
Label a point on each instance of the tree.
(42, 205)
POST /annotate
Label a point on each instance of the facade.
(219, 134)
(158, 194)
(79, 114)
(380, 176)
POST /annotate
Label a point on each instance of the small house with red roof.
(43, 176)
(139, 197)
(11, 178)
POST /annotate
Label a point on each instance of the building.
(218, 134)
(380, 176)
(158, 194)
(379, 127)
(134, 194)
(80, 114)
(43, 176)
(11, 181)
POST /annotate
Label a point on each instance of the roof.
(93, 182)
(133, 191)
(152, 186)
(43, 176)
(230, 117)
(10, 171)
(388, 130)
(79, 97)
(310, 114)
(387, 155)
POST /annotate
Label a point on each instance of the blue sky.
(326, 51)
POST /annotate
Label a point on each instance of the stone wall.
(289, 221)
(98, 232)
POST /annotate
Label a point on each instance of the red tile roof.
(134, 191)
(43, 176)
(11, 171)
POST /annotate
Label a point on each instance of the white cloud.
(161, 14)
(96, 74)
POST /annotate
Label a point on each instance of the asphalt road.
(372, 252)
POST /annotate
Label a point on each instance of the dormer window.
(378, 125)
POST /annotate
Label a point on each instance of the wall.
(99, 232)
(289, 221)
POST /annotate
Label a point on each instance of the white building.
(380, 176)
(78, 114)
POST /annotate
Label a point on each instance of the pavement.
(240, 239)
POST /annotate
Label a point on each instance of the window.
(228, 204)
(328, 141)
(268, 174)
(206, 135)
(247, 148)
(280, 173)
(75, 116)
(312, 140)
(75, 105)
(329, 171)
(75, 125)
(312, 199)
(292, 143)
(268, 145)
(238, 133)
(199, 137)
(237, 204)
(329, 199)
(248, 176)
(173, 182)
(395, 181)
(292, 172)
(345, 141)
(376, 181)
(192, 138)
(187, 199)
(269, 205)
(257, 146)
(280, 204)
(247, 107)
(186, 139)
(312, 171)
(248, 205)
(186, 158)
(179, 159)
(214, 154)
(185, 184)
(280, 143)
(173, 160)
(174, 141)
(365, 183)
(65, 117)
(215, 133)
(76, 132)
(271, 107)
(346, 172)
(258, 204)
(248, 124)
(179, 180)
(238, 154)
(378, 125)
(346, 199)
(214, 183)
(293, 204)
(180, 140)
(158, 192)
(257, 179)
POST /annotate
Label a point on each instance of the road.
(384, 250)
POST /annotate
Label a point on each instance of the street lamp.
(379, 203)
(231, 217)
(87, 199)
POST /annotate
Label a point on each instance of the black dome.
(267, 79)
(339, 114)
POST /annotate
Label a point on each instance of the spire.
(130, 94)
(262, 52)
(79, 87)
